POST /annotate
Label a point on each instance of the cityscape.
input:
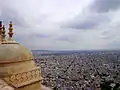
(79, 70)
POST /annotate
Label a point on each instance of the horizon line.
(79, 50)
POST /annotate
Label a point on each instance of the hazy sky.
(64, 24)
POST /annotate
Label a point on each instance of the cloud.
(9, 14)
(91, 17)
(64, 24)
(89, 21)
(100, 18)
(105, 5)
(94, 15)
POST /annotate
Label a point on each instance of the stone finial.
(10, 31)
(0, 29)
(3, 34)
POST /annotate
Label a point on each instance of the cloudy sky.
(64, 24)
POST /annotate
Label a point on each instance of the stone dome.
(10, 50)
(14, 53)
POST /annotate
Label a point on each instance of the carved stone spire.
(10, 31)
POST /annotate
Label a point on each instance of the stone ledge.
(5, 86)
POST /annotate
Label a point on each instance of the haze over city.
(64, 24)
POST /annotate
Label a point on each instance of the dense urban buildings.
(79, 70)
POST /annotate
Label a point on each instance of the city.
(80, 70)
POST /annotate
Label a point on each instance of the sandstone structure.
(18, 71)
